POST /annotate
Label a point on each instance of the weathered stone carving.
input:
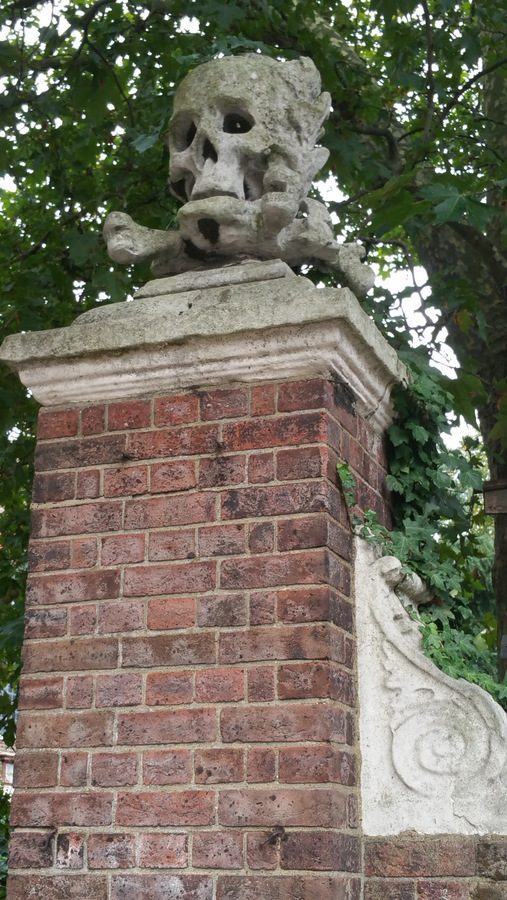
(242, 143)
(434, 748)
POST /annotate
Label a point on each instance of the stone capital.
(239, 324)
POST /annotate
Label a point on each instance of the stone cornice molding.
(253, 323)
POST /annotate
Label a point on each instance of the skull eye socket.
(183, 133)
(236, 123)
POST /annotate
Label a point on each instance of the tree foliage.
(418, 149)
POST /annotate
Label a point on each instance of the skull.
(242, 150)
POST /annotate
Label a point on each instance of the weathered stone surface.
(246, 332)
(243, 153)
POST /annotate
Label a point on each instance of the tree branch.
(430, 81)
(468, 84)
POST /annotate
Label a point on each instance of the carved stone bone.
(243, 154)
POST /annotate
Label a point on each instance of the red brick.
(255, 434)
(298, 534)
(173, 612)
(219, 685)
(167, 766)
(163, 851)
(324, 850)
(261, 468)
(222, 540)
(73, 588)
(122, 548)
(111, 851)
(44, 623)
(261, 765)
(114, 769)
(295, 723)
(385, 889)
(262, 608)
(261, 851)
(224, 404)
(70, 808)
(301, 463)
(222, 611)
(241, 887)
(79, 691)
(84, 518)
(82, 453)
(263, 402)
(278, 500)
(176, 475)
(129, 414)
(177, 410)
(93, 419)
(282, 806)
(221, 850)
(169, 688)
(320, 764)
(35, 769)
(417, 858)
(450, 890)
(308, 394)
(222, 470)
(169, 650)
(308, 567)
(58, 887)
(261, 684)
(123, 689)
(191, 441)
(218, 766)
(40, 693)
(122, 616)
(306, 680)
(83, 553)
(51, 487)
(176, 726)
(161, 887)
(68, 656)
(261, 538)
(70, 851)
(304, 605)
(74, 769)
(82, 619)
(177, 578)
(31, 850)
(163, 512)
(177, 543)
(169, 808)
(57, 423)
(88, 484)
(126, 481)
(46, 556)
(303, 642)
(492, 858)
(87, 729)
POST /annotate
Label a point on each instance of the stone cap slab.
(204, 334)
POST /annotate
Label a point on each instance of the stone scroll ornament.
(243, 153)
(440, 742)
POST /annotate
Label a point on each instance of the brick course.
(188, 697)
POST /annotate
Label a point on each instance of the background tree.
(418, 148)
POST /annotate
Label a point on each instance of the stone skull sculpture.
(242, 144)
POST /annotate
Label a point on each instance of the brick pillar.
(188, 720)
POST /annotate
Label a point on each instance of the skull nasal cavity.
(208, 151)
(209, 229)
